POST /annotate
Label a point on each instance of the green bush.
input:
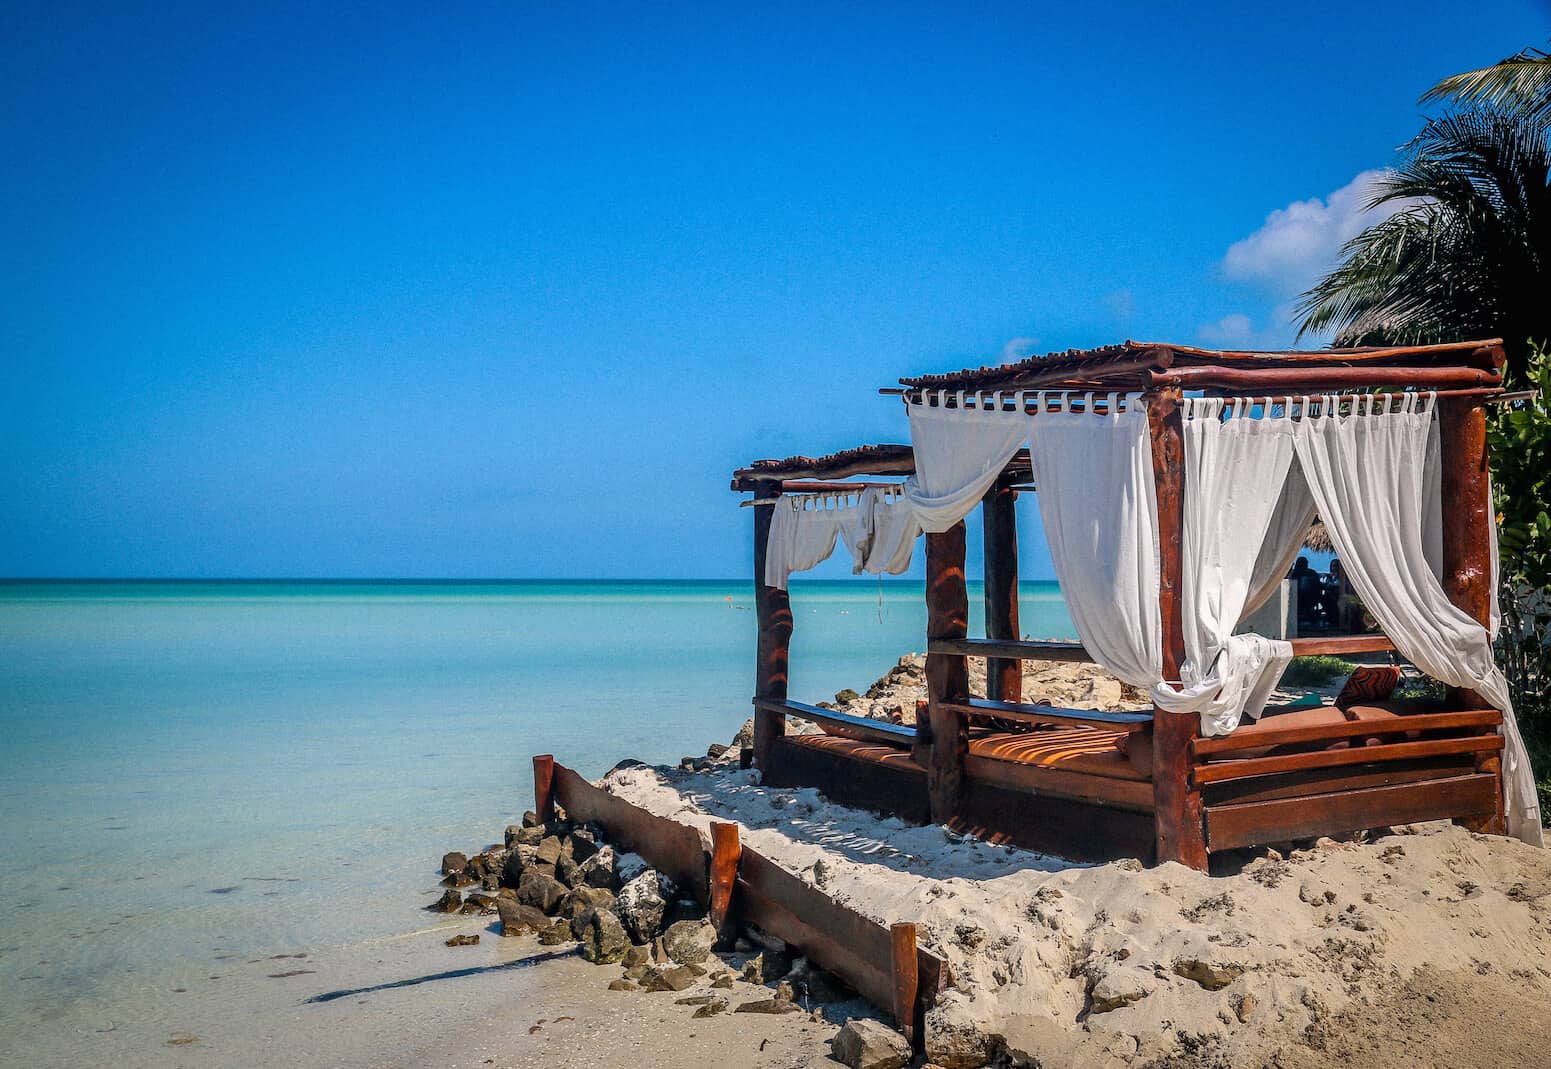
(1315, 671)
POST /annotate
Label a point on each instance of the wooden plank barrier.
(882, 964)
(676, 850)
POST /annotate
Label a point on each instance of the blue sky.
(501, 292)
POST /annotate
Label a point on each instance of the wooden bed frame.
(1267, 783)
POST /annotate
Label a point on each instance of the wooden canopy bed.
(1091, 783)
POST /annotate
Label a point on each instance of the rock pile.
(562, 883)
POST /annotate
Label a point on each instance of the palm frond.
(1520, 82)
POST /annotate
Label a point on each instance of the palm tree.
(1467, 250)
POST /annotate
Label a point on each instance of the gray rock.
(623, 985)
(710, 1009)
(769, 1005)
(584, 843)
(602, 937)
(461, 878)
(568, 872)
(511, 834)
(450, 902)
(580, 899)
(689, 942)
(511, 869)
(540, 891)
(478, 903)
(550, 849)
(642, 903)
(680, 978)
(865, 1044)
(518, 919)
(1210, 975)
(454, 862)
(636, 955)
(1118, 987)
(601, 869)
(556, 934)
(530, 819)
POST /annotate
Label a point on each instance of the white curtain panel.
(804, 529)
(894, 533)
(1099, 507)
(1367, 472)
(1284, 540)
(1235, 468)
(959, 452)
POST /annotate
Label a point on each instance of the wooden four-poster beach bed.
(1089, 783)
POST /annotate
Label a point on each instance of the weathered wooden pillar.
(1467, 543)
(1177, 811)
(544, 787)
(1004, 676)
(773, 614)
(726, 852)
(947, 675)
(906, 977)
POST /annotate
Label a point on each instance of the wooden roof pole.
(1467, 547)
(1004, 677)
(1177, 808)
(947, 675)
(773, 616)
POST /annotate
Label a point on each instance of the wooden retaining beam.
(883, 964)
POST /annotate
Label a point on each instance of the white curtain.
(1235, 469)
(894, 533)
(1370, 489)
(804, 529)
(959, 452)
(1284, 538)
(1098, 503)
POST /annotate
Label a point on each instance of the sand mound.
(1400, 950)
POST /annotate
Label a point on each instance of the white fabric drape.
(1284, 538)
(959, 452)
(894, 533)
(1366, 472)
(1098, 503)
(1235, 469)
(805, 527)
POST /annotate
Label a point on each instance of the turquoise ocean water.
(195, 772)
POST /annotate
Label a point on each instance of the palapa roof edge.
(1130, 359)
(881, 459)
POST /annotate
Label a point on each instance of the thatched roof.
(1317, 538)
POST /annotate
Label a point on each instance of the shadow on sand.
(451, 974)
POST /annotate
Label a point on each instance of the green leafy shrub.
(1315, 671)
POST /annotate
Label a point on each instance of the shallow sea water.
(196, 777)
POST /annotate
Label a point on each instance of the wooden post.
(773, 613)
(544, 787)
(1467, 545)
(726, 851)
(947, 675)
(907, 980)
(1177, 811)
(1004, 676)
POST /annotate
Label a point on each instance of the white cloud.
(1299, 243)
(1229, 331)
(1122, 304)
(1018, 349)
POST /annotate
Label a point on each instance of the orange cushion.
(1091, 750)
